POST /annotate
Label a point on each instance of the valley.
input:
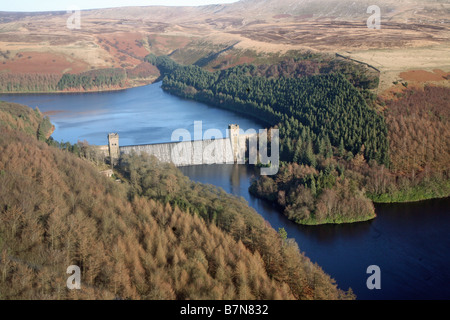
(362, 117)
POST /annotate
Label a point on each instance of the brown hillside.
(56, 210)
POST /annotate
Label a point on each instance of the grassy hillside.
(56, 210)
(36, 49)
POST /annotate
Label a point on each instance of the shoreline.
(80, 91)
(375, 202)
(220, 106)
(410, 201)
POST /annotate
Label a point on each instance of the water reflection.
(326, 234)
(140, 115)
(409, 242)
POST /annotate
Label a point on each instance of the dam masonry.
(230, 150)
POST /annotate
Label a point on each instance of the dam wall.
(236, 148)
(188, 153)
(102, 151)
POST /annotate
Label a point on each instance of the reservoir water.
(140, 115)
(409, 242)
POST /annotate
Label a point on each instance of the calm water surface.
(409, 242)
(140, 115)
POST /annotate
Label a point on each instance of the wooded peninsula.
(342, 148)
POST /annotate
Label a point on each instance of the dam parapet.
(197, 152)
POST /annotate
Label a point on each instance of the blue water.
(409, 242)
(140, 115)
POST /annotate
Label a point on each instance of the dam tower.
(113, 146)
(234, 137)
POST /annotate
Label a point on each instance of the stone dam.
(233, 149)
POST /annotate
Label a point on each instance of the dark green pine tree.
(329, 149)
(341, 148)
(313, 186)
(308, 156)
(321, 147)
(298, 151)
